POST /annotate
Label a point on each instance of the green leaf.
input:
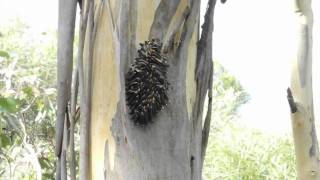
(4, 54)
(48, 175)
(28, 91)
(44, 163)
(8, 105)
(2, 172)
(4, 141)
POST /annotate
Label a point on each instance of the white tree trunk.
(301, 99)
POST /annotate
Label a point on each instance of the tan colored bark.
(105, 96)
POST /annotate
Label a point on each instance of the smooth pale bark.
(66, 24)
(171, 147)
(301, 100)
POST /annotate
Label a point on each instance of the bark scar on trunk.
(292, 104)
(314, 148)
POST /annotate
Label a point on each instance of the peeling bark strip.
(162, 18)
(302, 115)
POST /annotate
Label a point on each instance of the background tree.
(300, 97)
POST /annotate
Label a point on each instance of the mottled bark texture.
(300, 97)
(173, 146)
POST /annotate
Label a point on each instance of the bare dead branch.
(206, 37)
(207, 122)
(204, 59)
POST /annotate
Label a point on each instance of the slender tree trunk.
(66, 24)
(300, 97)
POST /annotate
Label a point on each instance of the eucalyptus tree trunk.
(300, 97)
(173, 146)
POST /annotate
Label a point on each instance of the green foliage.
(8, 105)
(235, 152)
(241, 153)
(228, 95)
(27, 102)
(4, 54)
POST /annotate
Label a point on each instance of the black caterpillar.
(146, 83)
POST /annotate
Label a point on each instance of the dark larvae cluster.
(146, 83)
